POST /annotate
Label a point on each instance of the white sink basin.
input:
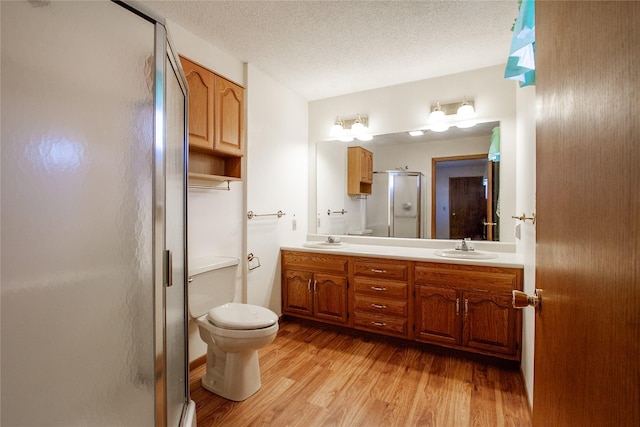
(324, 245)
(453, 253)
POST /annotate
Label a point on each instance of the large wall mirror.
(433, 186)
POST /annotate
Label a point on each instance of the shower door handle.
(168, 259)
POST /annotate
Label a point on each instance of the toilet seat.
(237, 316)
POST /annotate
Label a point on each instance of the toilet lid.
(241, 316)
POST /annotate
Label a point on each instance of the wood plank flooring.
(312, 376)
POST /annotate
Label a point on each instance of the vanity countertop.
(503, 259)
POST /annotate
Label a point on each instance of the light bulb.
(337, 128)
(439, 127)
(465, 110)
(357, 126)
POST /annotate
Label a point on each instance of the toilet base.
(234, 376)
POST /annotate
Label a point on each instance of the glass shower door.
(86, 217)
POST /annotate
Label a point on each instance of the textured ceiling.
(321, 49)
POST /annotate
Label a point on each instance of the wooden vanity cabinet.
(380, 295)
(359, 171)
(216, 124)
(314, 286)
(468, 307)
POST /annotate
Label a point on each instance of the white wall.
(405, 107)
(215, 223)
(526, 203)
(276, 180)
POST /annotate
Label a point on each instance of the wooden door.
(201, 89)
(587, 348)
(297, 292)
(438, 315)
(330, 297)
(467, 208)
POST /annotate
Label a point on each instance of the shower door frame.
(162, 257)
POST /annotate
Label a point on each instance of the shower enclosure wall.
(93, 255)
(394, 208)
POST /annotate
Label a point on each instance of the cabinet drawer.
(468, 277)
(380, 288)
(314, 261)
(380, 305)
(380, 323)
(381, 269)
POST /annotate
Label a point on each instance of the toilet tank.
(212, 282)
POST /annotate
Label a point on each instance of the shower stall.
(395, 205)
(93, 244)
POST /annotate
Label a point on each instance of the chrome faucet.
(466, 245)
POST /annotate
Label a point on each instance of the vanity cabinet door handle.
(378, 288)
(375, 270)
(378, 324)
(457, 306)
(466, 306)
(379, 306)
(309, 285)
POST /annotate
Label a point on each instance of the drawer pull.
(379, 306)
(375, 270)
(378, 324)
(378, 288)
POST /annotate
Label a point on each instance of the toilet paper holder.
(253, 261)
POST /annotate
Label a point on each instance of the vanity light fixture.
(460, 114)
(416, 132)
(347, 130)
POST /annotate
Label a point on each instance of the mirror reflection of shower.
(394, 208)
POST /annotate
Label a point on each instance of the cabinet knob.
(522, 300)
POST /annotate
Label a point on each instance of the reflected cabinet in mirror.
(434, 186)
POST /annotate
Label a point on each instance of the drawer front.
(314, 261)
(381, 269)
(379, 323)
(468, 277)
(380, 288)
(384, 306)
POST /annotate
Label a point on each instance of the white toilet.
(233, 332)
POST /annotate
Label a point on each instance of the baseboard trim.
(196, 363)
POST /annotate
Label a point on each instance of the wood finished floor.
(317, 377)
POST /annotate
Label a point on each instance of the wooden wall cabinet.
(380, 296)
(359, 171)
(314, 286)
(216, 124)
(468, 307)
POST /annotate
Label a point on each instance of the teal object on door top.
(521, 65)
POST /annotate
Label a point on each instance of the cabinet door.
(201, 93)
(330, 297)
(229, 117)
(366, 163)
(490, 323)
(438, 317)
(297, 292)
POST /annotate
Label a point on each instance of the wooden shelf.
(212, 178)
